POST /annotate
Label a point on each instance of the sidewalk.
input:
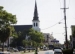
(22, 53)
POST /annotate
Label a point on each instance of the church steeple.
(35, 18)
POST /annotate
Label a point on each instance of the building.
(48, 38)
(72, 37)
(71, 41)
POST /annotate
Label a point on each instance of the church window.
(36, 24)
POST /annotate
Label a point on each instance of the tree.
(17, 39)
(6, 19)
(25, 44)
(37, 37)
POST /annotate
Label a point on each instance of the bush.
(67, 51)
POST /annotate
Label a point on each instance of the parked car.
(45, 48)
(15, 50)
(12, 49)
(57, 51)
(49, 52)
(20, 48)
(30, 48)
(4, 52)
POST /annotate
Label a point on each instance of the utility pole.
(66, 40)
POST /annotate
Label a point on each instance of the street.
(40, 52)
(46, 52)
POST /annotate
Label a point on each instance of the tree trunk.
(3, 47)
(8, 45)
(36, 50)
(25, 49)
(29, 49)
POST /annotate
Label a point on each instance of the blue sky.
(49, 14)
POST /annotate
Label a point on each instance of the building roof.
(22, 27)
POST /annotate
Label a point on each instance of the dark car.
(30, 48)
(20, 48)
(15, 50)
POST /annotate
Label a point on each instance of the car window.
(57, 50)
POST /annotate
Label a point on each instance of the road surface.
(40, 52)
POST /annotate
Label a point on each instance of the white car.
(57, 51)
(74, 51)
(49, 52)
(5, 52)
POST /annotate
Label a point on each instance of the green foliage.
(73, 30)
(25, 43)
(6, 19)
(36, 37)
(34, 43)
(67, 51)
(17, 39)
(41, 44)
(4, 34)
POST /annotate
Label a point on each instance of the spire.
(35, 12)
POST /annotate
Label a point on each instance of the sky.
(49, 12)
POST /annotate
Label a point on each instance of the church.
(35, 22)
(35, 25)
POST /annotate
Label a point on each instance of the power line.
(58, 33)
(52, 25)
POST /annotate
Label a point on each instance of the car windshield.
(57, 50)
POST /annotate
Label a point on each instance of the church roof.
(22, 27)
(35, 18)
